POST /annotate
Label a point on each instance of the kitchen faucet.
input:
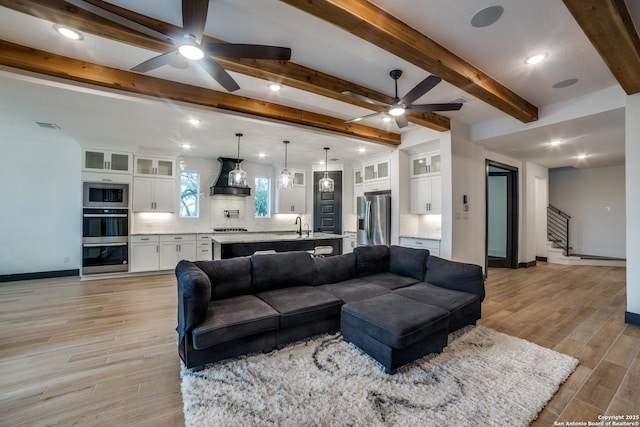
(299, 224)
(308, 231)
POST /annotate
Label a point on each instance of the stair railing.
(558, 228)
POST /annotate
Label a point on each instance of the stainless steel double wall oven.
(105, 228)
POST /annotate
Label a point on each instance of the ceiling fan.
(399, 106)
(190, 45)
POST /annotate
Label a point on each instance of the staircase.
(558, 249)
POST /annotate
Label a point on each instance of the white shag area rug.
(483, 377)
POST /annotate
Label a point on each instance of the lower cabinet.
(145, 253)
(174, 247)
(162, 252)
(432, 245)
(204, 249)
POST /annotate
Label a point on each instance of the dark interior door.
(502, 214)
(327, 207)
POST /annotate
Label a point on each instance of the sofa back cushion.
(280, 270)
(333, 269)
(371, 260)
(229, 277)
(408, 261)
(455, 275)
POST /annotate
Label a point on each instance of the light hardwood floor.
(104, 352)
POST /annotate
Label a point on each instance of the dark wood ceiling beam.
(38, 61)
(373, 24)
(285, 72)
(610, 29)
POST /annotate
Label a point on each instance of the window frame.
(197, 195)
(268, 197)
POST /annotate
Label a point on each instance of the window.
(263, 197)
(189, 194)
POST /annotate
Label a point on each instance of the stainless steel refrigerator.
(374, 218)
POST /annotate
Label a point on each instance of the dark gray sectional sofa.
(258, 303)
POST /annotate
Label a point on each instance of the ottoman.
(395, 330)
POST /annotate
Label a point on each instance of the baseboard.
(39, 275)
(541, 258)
(527, 264)
(632, 318)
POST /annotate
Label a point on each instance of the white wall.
(41, 214)
(595, 199)
(632, 156)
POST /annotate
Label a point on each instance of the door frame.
(512, 214)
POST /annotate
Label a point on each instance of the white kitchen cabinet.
(413, 242)
(152, 166)
(426, 195)
(153, 195)
(348, 242)
(358, 191)
(376, 171)
(95, 160)
(176, 247)
(291, 200)
(145, 253)
(204, 249)
(381, 185)
(425, 164)
(357, 176)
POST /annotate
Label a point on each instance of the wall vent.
(46, 125)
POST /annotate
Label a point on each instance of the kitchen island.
(243, 244)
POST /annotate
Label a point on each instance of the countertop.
(224, 239)
(423, 236)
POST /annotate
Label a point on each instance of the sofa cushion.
(234, 318)
(394, 320)
(390, 280)
(354, 290)
(371, 260)
(301, 304)
(463, 307)
(333, 269)
(408, 261)
(229, 277)
(280, 270)
(455, 275)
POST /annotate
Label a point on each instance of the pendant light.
(326, 183)
(285, 180)
(238, 177)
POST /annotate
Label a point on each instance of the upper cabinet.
(425, 164)
(293, 200)
(357, 176)
(106, 161)
(376, 170)
(157, 167)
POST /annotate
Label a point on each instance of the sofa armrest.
(194, 294)
(455, 275)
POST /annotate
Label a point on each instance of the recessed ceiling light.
(186, 146)
(535, 59)
(274, 87)
(565, 83)
(582, 156)
(362, 149)
(194, 122)
(554, 142)
(386, 119)
(487, 16)
(261, 155)
(68, 32)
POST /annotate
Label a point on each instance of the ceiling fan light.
(191, 51)
(397, 111)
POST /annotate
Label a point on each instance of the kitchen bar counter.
(244, 244)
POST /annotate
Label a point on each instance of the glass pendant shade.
(326, 184)
(285, 179)
(238, 177)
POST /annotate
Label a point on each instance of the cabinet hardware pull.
(145, 238)
(157, 248)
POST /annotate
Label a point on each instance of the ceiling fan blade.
(366, 99)
(251, 51)
(114, 17)
(401, 121)
(194, 18)
(156, 61)
(219, 74)
(421, 88)
(357, 119)
(424, 108)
